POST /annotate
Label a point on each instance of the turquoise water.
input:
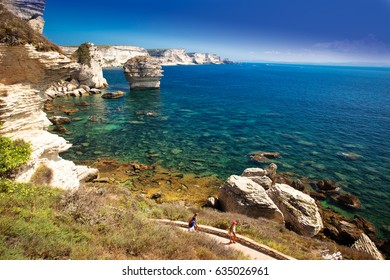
(206, 119)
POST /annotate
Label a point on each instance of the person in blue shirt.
(192, 224)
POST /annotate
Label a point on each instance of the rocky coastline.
(116, 56)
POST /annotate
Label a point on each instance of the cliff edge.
(25, 74)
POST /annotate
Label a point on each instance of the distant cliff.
(28, 10)
(171, 56)
(181, 57)
(116, 56)
(113, 56)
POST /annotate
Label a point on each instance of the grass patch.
(42, 176)
(15, 32)
(40, 222)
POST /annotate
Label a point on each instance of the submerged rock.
(326, 186)
(263, 156)
(350, 156)
(58, 120)
(347, 200)
(113, 95)
(143, 72)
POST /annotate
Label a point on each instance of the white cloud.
(369, 45)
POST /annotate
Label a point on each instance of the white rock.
(242, 195)
(91, 73)
(263, 181)
(299, 209)
(205, 58)
(21, 109)
(253, 172)
(29, 10)
(364, 244)
(172, 56)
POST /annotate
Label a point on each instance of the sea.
(327, 122)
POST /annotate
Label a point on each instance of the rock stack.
(143, 72)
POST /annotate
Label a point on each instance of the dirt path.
(253, 254)
(246, 245)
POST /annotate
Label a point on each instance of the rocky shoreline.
(251, 194)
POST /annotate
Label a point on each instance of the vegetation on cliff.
(82, 54)
(40, 222)
(15, 32)
(12, 154)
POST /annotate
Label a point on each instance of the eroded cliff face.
(172, 56)
(113, 56)
(24, 76)
(29, 10)
(117, 56)
(181, 57)
(205, 58)
(90, 72)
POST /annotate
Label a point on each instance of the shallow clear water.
(206, 119)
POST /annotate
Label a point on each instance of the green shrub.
(12, 154)
(15, 32)
(83, 55)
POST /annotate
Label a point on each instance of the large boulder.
(300, 210)
(244, 196)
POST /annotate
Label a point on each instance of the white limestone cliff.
(172, 56)
(205, 58)
(90, 72)
(116, 56)
(28, 10)
(24, 76)
(113, 56)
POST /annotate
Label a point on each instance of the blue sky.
(314, 31)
